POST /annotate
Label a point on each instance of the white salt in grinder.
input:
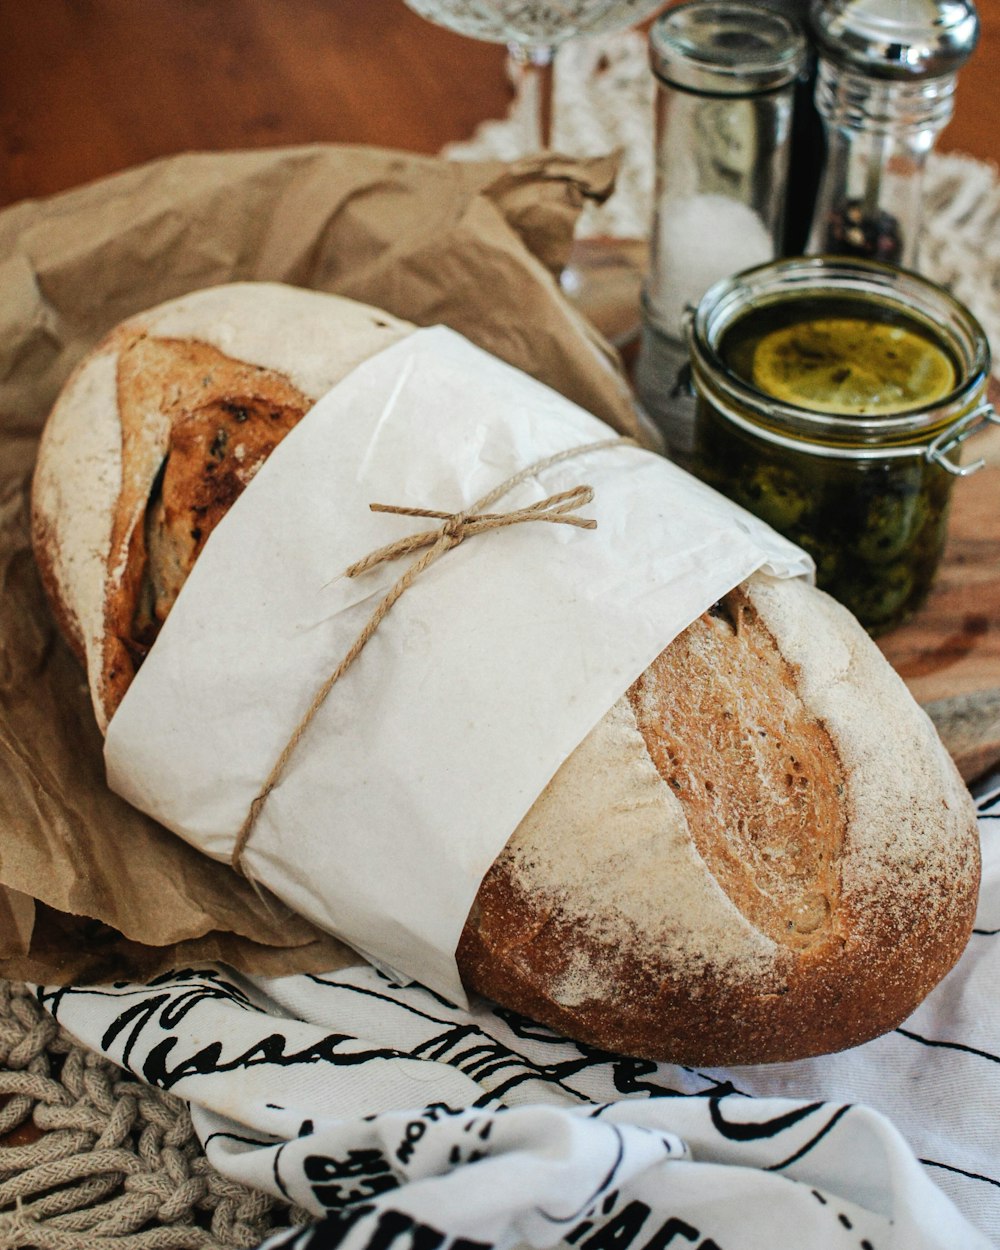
(726, 73)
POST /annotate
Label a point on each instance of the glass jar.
(885, 90)
(853, 461)
(726, 73)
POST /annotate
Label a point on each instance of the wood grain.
(952, 647)
(949, 654)
(89, 87)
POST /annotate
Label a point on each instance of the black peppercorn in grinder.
(885, 88)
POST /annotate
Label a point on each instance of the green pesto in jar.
(875, 529)
(874, 521)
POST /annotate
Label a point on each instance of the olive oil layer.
(841, 357)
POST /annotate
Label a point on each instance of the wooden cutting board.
(949, 654)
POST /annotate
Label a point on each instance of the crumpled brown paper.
(89, 888)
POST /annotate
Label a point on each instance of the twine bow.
(458, 526)
(455, 527)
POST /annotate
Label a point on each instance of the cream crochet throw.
(604, 94)
(117, 1166)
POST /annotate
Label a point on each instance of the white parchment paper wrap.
(482, 679)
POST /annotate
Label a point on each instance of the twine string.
(455, 527)
(557, 509)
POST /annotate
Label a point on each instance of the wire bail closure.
(964, 428)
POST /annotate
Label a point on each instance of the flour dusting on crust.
(76, 483)
(908, 800)
(608, 841)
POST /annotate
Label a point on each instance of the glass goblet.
(601, 279)
(532, 30)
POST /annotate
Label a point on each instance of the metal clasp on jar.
(964, 428)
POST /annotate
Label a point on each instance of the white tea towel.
(403, 1123)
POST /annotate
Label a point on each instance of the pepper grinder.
(885, 89)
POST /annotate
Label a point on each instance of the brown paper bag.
(90, 889)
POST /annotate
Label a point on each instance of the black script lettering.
(574, 1235)
(268, 1050)
(412, 1134)
(621, 1230)
(357, 1163)
(395, 1224)
(340, 1223)
(141, 1013)
(440, 1111)
(665, 1235)
(367, 1172)
(752, 1130)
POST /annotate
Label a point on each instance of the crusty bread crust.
(761, 852)
(75, 488)
(140, 426)
(222, 418)
(733, 868)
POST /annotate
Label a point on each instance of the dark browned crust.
(855, 969)
(816, 1004)
(225, 418)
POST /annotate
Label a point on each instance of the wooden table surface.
(89, 87)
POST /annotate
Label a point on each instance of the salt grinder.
(885, 88)
(726, 73)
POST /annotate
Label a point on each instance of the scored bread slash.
(753, 846)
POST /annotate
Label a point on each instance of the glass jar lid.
(901, 39)
(731, 49)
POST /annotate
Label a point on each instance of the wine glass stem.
(532, 69)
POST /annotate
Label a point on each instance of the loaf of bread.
(762, 851)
